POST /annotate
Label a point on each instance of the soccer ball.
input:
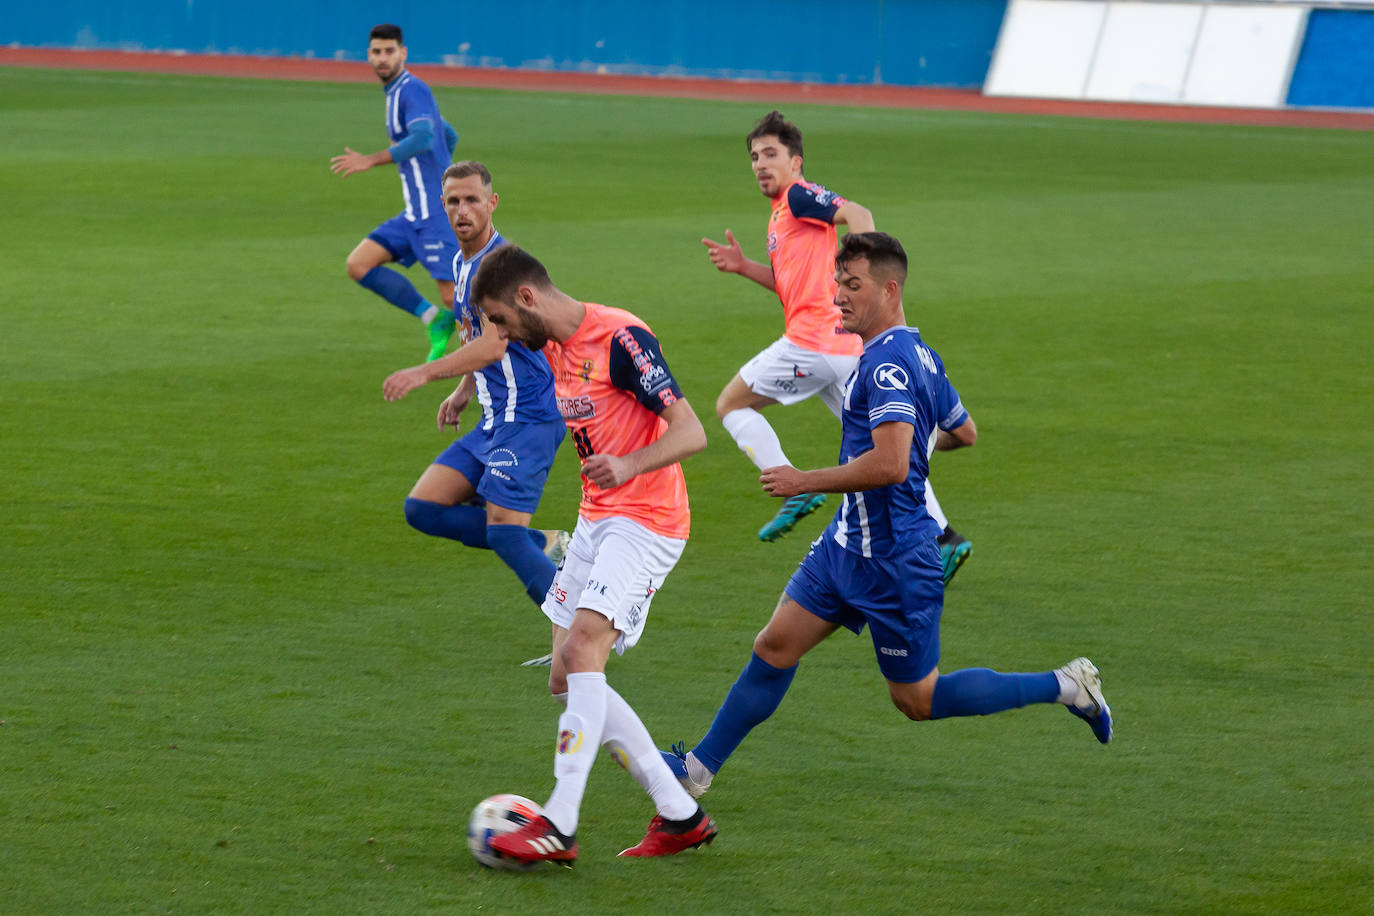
(493, 817)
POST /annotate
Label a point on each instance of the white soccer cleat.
(692, 773)
(1089, 705)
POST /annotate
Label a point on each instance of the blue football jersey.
(518, 388)
(409, 100)
(898, 378)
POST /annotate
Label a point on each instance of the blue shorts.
(508, 464)
(432, 244)
(899, 597)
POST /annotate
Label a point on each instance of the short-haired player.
(632, 426)
(421, 145)
(815, 354)
(483, 489)
(877, 564)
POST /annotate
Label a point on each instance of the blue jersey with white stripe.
(408, 100)
(518, 388)
(898, 378)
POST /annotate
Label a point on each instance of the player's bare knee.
(773, 648)
(912, 699)
(723, 406)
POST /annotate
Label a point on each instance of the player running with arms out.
(503, 462)
(422, 144)
(632, 427)
(815, 354)
(877, 563)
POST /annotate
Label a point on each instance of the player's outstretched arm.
(683, 437)
(856, 216)
(961, 436)
(353, 161)
(729, 258)
(477, 353)
(888, 462)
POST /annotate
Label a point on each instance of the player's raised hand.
(607, 471)
(402, 382)
(728, 257)
(351, 161)
(783, 480)
(451, 410)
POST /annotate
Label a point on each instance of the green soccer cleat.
(439, 330)
(793, 510)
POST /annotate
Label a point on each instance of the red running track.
(672, 87)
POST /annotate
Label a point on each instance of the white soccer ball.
(493, 817)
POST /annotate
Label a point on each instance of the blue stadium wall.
(1335, 68)
(894, 42)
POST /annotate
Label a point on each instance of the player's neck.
(889, 321)
(386, 84)
(566, 316)
(476, 245)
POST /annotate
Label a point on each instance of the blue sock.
(982, 691)
(755, 695)
(392, 286)
(466, 524)
(513, 544)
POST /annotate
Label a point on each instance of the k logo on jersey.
(891, 377)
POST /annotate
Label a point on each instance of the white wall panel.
(1045, 49)
(1144, 51)
(1245, 55)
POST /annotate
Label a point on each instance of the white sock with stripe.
(626, 737)
(579, 738)
(755, 437)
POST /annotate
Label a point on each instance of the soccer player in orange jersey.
(815, 354)
(632, 427)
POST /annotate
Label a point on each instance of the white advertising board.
(1244, 56)
(1045, 49)
(1143, 53)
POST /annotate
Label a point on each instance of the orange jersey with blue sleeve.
(612, 383)
(801, 250)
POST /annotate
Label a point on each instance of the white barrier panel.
(1045, 49)
(1245, 56)
(1143, 52)
(1202, 54)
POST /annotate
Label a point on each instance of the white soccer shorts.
(789, 373)
(614, 567)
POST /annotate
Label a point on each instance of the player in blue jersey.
(878, 563)
(422, 145)
(483, 489)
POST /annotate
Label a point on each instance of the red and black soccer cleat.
(537, 841)
(666, 838)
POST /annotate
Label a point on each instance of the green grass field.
(235, 681)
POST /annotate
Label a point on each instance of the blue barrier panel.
(898, 42)
(1335, 68)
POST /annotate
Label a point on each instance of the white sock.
(579, 738)
(429, 314)
(755, 437)
(1068, 688)
(626, 735)
(933, 507)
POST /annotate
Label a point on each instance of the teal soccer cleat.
(953, 553)
(793, 510)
